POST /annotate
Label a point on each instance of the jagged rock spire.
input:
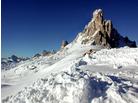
(98, 17)
(101, 32)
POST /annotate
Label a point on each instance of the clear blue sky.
(30, 26)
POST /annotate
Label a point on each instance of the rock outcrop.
(37, 55)
(101, 32)
(64, 43)
(46, 53)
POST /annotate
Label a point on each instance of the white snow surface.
(69, 76)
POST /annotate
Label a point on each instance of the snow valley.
(98, 66)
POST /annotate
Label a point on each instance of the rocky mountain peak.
(98, 16)
(100, 31)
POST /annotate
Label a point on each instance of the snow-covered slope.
(15, 79)
(69, 76)
(80, 72)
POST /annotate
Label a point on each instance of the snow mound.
(115, 57)
(77, 86)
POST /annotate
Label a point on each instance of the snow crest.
(115, 57)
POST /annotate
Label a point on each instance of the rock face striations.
(101, 32)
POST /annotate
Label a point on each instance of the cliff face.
(101, 32)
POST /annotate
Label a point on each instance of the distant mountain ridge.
(10, 62)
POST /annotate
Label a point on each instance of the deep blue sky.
(30, 26)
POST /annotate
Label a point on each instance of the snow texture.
(69, 76)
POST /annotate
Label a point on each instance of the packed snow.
(73, 75)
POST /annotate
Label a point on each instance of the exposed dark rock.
(64, 43)
(46, 53)
(14, 58)
(37, 55)
(11, 62)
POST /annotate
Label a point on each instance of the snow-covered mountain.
(84, 71)
(11, 62)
